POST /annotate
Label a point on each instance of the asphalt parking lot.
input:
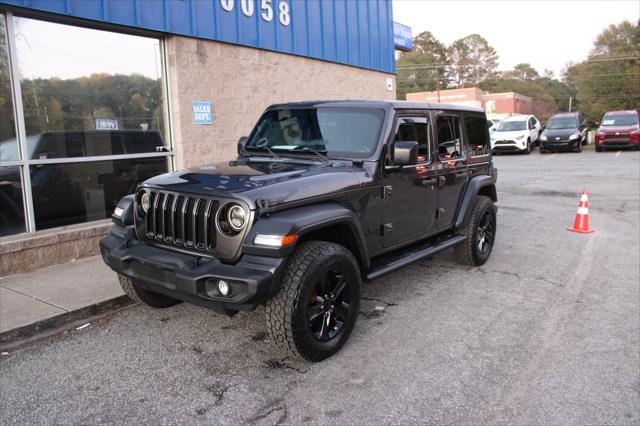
(546, 332)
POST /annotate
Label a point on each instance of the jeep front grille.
(182, 220)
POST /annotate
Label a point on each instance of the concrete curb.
(18, 336)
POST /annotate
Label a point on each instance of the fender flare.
(301, 221)
(474, 187)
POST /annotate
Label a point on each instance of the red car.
(618, 129)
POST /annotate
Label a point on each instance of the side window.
(414, 129)
(477, 135)
(449, 142)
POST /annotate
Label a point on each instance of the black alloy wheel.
(329, 306)
(485, 233)
(317, 305)
(479, 232)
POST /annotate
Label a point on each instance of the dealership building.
(494, 104)
(98, 95)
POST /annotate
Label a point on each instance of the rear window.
(477, 135)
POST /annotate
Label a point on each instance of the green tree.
(422, 69)
(522, 72)
(472, 60)
(610, 78)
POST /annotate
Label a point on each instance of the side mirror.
(241, 143)
(596, 123)
(405, 153)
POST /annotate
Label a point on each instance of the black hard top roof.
(377, 104)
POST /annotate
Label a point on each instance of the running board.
(396, 260)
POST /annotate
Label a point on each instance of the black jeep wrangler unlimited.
(323, 195)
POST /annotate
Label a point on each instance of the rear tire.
(480, 233)
(140, 295)
(318, 303)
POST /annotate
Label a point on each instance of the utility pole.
(570, 99)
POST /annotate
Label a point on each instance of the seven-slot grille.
(182, 220)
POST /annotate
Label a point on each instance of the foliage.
(422, 69)
(74, 104)
(472, 60)
(522, 72)
(610, 78)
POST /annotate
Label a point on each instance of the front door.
(409, 192)
(452, 171)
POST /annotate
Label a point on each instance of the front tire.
(599, 149)
(318, 303)
(140, 295)
(480, 233)
(527, 150)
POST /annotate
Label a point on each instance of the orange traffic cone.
(581, 222)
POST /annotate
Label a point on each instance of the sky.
(546, 34)
(47, 49)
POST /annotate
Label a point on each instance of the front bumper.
(190, 278)
(618, 143)
(560, 145)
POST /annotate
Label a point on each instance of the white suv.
(517, 133)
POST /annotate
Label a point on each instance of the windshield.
(620, 120)
(511, 126)
(562, 123)
(340, 132)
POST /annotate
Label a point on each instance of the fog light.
(223, 288)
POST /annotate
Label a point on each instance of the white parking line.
(550, 157)
(618, 153)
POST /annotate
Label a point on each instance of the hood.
(560, 133)
(499, 136)
(275, 182)
(619, 129)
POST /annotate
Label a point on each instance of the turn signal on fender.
(581, 222)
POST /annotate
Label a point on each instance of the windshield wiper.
(266, 148)
(318, 153)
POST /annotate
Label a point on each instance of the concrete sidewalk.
(56, 292)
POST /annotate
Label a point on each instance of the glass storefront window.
(88, 92)
(11, 210)
(85, 93)
(8, 141)
(69, 193)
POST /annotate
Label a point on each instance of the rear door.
(451, 165)
(409, 192)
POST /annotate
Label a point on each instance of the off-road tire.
(468, 252)
(140, 295)
(285, 313)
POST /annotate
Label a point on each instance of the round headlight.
(144, 202)
(236, 217)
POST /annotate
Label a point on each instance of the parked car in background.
(566, 131)
(493, 123)
(517, 133)
(618, 129)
